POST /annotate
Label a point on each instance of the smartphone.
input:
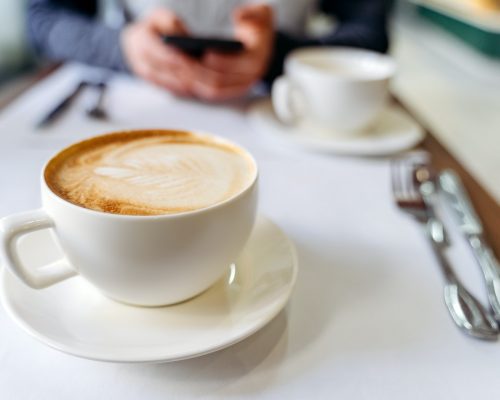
(196, 46)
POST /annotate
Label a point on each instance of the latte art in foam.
(150, 173)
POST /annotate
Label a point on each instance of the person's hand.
(148, 57)
(222, 76)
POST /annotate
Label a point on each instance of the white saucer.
(393, 132)
(73, 317)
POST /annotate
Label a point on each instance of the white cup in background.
(340, 89)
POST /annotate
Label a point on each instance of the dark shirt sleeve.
(69, 31)
(361, 23)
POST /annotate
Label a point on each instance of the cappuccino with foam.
(150, 172)
(149, 217)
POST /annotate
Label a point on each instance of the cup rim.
(292, 62)
(213, 137)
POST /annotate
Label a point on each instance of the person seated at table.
(71, 30)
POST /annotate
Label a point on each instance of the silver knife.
(472, 228)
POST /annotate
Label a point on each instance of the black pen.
(61, 107)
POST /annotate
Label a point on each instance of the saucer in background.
(393, 132)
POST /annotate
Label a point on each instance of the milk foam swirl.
(151, 175)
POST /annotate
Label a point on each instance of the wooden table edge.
(485, 204)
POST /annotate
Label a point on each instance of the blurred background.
(472, 23)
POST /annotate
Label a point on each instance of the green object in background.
(485, 40)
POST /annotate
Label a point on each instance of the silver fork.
(413, 188)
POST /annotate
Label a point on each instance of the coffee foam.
(149, 173)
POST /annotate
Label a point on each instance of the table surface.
(366, 319)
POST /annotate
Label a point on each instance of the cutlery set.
(415, 187)
(95, 108)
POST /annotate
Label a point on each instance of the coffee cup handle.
(11, 229)
(287, 99)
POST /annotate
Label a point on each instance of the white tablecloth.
(366, 320)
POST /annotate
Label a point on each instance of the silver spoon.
(96, 108)
(413, 189)
(467, 312)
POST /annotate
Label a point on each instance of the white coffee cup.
(140, 260)
(337, 88)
